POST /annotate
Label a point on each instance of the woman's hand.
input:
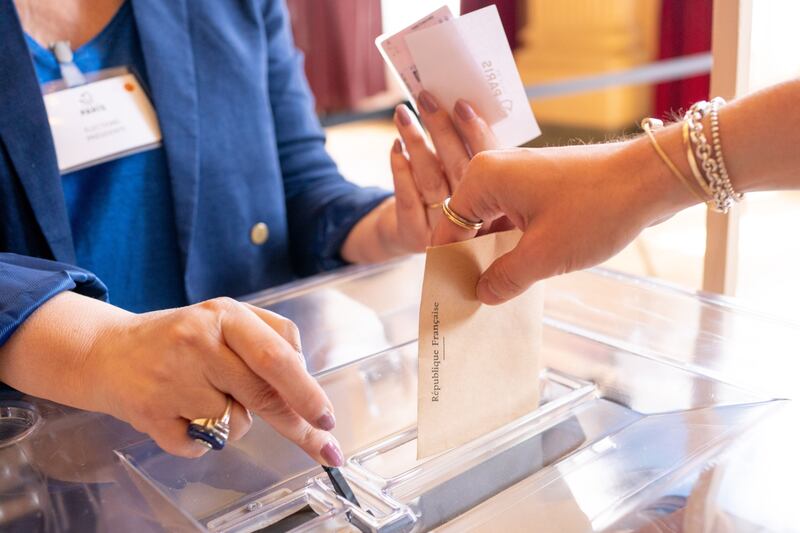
(424, 173)
(160, 370)
(576, 205)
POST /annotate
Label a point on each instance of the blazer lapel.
(26, 135)
(167, 47)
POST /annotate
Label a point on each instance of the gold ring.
(437, 205)
(457, 219)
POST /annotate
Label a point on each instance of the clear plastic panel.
(600, 439)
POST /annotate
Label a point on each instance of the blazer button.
(259, 233)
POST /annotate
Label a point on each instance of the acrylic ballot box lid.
(661, 410)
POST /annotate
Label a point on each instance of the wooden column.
(730, 46)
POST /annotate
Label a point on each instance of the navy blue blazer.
(243, 146)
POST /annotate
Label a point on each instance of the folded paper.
(478, 364)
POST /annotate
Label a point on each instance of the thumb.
(509, 275)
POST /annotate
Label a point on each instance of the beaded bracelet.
(714, 173)
(716, 103)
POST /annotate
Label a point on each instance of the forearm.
(48, 355)
(759, 141)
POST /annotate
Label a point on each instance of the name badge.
(100, 121)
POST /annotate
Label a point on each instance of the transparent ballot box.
(660, 411)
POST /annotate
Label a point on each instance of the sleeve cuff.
(28, 282)
(340, 217)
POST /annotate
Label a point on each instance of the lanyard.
(70, 72)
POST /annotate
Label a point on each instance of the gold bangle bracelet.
(698, 176)
(647, 125)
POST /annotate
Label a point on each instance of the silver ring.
(212, 432)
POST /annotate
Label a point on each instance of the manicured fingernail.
(464, 111)
(427, 102)
(332, 454)
(397, 147)
(326, 422)
(403, 116)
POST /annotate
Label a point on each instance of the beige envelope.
(478, 364)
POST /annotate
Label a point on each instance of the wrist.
(107, 343)
(655, 190)
(375, 237)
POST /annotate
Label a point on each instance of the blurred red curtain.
(509, 14)
(342, 64)
(685, 29)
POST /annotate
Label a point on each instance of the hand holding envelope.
(478, 365)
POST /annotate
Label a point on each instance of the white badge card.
(101, 121)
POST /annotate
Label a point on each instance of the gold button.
(259, 233)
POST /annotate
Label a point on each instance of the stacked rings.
(457, 219)
(212, 432)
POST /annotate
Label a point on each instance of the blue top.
(120, 212)
(242, 146)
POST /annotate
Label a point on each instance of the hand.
(157, 371)
(424, 175)
(576, 205)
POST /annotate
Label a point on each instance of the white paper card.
(395, 52)
(469, 57)
(101, 121)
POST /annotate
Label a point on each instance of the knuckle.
(266, 401)
(148, 410)
(183, 332)
(404, 202)
(306, 435)
(219, 304)
(272, 359)
(416, 144)
(480, 163)
(292, 334)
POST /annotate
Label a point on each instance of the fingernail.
(427, 102)
(326, 422)
(403, 117)
(332, 454)
(397, 147)
(464, 111)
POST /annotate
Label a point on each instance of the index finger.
(449, 146)
(275, 360)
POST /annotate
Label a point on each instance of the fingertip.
(402, 116)
(397, 147)
(485, 294)
(331, 453)
(326, 421)
(428, 102)
(464, 111)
